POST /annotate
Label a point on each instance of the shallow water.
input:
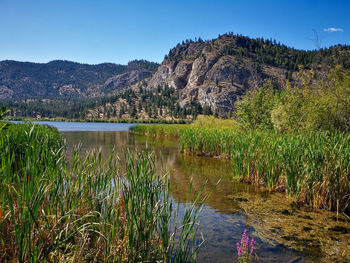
(283, 232)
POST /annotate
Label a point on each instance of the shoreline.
(131, 120)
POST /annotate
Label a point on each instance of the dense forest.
(268, 51)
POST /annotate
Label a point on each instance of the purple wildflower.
(245, 248)
(252, 246)
(239, 252)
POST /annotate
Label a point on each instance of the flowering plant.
(245, 248)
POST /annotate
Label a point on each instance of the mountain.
(158, 105)
(214, 73)
(59, 79)
(196, 77)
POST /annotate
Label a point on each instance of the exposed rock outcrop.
(215, 72)
(201, 72)
(5, 92)
(124, 80)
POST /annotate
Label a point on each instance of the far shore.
(130, 120)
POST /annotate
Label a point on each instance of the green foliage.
(52, 210)
(254, 109)
(315, 104)
(294, 139)
(263, 51)
(129, 104)
(3, 111)
(160, 130)
(287, 113)
(311, 104)
(22, 140)
(211, 121)
(312, 167)
(142, 65)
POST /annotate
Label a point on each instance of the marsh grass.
(312, 167)
(212, 122)
(85, 210)
(167, 130)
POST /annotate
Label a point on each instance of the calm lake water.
(87, 126)
(276, 225)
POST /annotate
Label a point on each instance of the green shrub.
(310, 104)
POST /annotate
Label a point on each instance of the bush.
(311, 104)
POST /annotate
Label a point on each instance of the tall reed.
(172, 130)
(312, 167)
(84, 210)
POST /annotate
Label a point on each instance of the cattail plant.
(88, 209)
(313, 168)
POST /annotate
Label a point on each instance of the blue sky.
(95, 31)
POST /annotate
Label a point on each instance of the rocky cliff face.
(118, 82)
(202, 72)
(210, 73)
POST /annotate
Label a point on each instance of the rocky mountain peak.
(215, 72)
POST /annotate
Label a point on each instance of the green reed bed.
(163, 130)
(313, 167)
(85, 210)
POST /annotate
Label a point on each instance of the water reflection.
(232, 208)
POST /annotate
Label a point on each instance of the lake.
(283, 232)
(86, 126)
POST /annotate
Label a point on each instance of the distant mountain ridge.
(203, 76)
(214, 73)
(59, 78)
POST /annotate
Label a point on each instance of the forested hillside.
(66, 79)
(138, 103)
(202, 76)
(216, 72)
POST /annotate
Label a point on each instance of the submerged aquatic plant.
(245, 249)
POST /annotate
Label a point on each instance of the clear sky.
(95, 31)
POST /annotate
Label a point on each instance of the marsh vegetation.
(313, 168)
(85, 209)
